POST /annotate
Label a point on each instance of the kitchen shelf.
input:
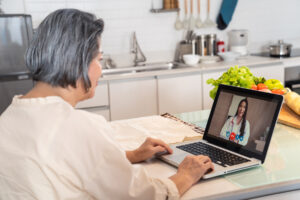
(161, 10)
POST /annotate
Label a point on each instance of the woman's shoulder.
(85, 126)
(89, 115)
(86, 117)
(81, 121)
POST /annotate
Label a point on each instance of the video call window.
(242, 120)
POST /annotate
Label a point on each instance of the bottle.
(221, 46)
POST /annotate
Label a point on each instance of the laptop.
(238, 131)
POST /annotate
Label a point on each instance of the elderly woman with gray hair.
(49, 150)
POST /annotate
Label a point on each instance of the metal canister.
(201, 45)
(211, 44)
(183, 48)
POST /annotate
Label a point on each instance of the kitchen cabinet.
(136, 96)
(131, 98)
(100, 98)
(99, 104)
(273, 70)
(179, 93)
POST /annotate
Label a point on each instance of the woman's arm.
(224, 129)
(190, 170)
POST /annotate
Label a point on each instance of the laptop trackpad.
(176, 157)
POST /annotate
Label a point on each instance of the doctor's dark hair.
(63, 46)
(242, 130)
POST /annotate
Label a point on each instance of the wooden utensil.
(198, 22)
(178, 23)
(208, 22)
(186, 20)
(192, 19)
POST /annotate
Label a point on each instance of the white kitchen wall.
(266, 20)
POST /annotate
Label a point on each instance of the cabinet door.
(101, 110)
(132, 98)
(179, 93)
(207, 101)
(100, 98)
(274, 71)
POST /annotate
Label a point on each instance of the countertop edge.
(250, 61)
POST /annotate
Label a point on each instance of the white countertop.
(249, 61)
(279, 173)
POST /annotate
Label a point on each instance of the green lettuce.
(235, 76)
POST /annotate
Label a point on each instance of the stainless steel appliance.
(15, 34)
(292, 78)
(295, 52)
(238, 41)
(280, 49)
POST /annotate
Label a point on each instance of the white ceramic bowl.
(191, 59)
(229, 55)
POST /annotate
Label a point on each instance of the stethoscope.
(237, 137)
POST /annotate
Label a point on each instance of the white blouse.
(49, 150)
(231, 131)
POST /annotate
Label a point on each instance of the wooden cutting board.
(289, 117)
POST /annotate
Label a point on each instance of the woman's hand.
(190, 170)
(147, 150)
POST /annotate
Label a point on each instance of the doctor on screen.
(237, 128)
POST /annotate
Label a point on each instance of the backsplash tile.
(155, 32)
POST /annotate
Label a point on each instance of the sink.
(144, 68)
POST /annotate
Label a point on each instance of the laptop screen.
(243, 120)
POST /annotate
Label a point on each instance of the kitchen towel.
(226, 13)
(131, 133)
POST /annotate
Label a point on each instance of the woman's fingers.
(158, 149)
(207, 163)
(209, 166)
(157, 142)
(204, 159)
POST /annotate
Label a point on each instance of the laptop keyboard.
(216, 155)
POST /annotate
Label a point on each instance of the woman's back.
(47, 147)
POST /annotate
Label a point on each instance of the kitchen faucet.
(136, 49)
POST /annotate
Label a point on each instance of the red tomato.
(278, 91)
(261, 86)
(254, 87)
(265, 90)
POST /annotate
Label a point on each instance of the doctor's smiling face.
(242, 109)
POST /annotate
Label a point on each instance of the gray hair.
(63, 46)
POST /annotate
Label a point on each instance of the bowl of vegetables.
(242, 77)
